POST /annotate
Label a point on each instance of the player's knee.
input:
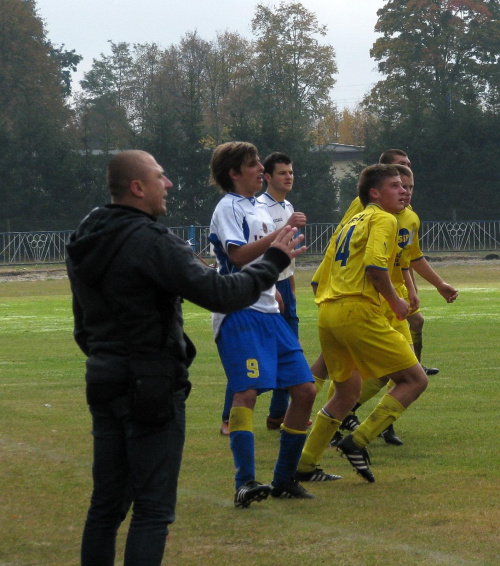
(419, 379)
(347, 396)
(423, 382)
(304, 393)
(416, 322)
(245, 398)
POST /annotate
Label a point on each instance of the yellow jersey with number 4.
(368, 239)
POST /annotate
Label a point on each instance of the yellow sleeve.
(380, 246)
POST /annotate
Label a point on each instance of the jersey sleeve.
(381, 241)
(414, 251)
(229, 223)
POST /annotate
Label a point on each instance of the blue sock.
(289, 455)
(242, 447)
(228, 402)
(279, 403)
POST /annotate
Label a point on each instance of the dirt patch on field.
(44, 272)
(29, 273)
(436, 260)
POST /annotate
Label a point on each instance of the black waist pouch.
(153, 383)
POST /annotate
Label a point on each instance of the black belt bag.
(153, 384)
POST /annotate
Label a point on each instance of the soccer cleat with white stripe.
(337, 437)
(351, 423)
(290, 489)
(390, 436)
(358, 457)
(316, 475)
(250, 492)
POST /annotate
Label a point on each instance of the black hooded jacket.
(129, 274)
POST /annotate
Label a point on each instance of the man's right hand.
(400, 307)
(297, 220)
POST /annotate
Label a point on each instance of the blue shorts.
(259, 351)
(290, 302)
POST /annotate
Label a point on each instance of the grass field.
(436, 499)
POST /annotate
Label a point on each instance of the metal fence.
(18, 248)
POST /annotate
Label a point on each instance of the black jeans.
(138, 465)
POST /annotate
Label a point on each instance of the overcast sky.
(87, 25)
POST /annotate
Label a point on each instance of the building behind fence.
(18, 248)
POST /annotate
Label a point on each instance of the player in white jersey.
(278, 174)
(258, 350)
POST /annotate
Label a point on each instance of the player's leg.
(416, 322)
(293, 373)
(319, 372)
(402, 326)
(347, 387)
(409, 384)
(378, 350)
(228, 401)
(326, 425)
(247, 351)
(292, 438)
(281, 397)
(277, 408)
(241, 435)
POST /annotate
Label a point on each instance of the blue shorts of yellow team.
(259, 351)
(354, 333)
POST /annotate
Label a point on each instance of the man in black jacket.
(128, 276)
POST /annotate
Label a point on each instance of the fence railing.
(17, 248)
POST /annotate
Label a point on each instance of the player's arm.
(174, 268)
(279, 300)
(243, 255)
(382, 282)
(422, 267)
(412, 292)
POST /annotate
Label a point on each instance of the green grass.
(436, 499)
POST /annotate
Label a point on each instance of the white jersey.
(280, 212)
(239, 220)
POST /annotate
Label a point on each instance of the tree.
(293, 76)
(295, 72)
(229, 83)
(182, 101)
(68, 63)
(107, 103)
(440, 94)
(35, 136)
(440, 53)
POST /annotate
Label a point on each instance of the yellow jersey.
(408, 245)
(324, 267)
(368, 239)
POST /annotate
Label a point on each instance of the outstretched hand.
(286, 242)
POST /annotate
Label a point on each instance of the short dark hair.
(372, 177)
(403, 170)
(227, 156)
(272, 159)
(123, 168)
(389, 156)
